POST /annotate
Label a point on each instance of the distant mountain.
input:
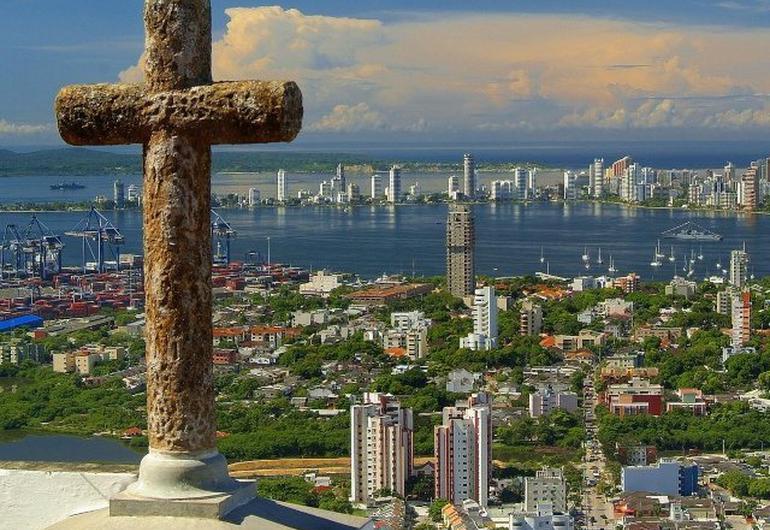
(71, 162)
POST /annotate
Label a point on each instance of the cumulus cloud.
(21, 129)
(498, 72)
(345, 118)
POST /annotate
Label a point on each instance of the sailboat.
(586, 255)
(655, 260)
(599, 260)
(658, 253)
(611, 268)
(700, 254)
(671, 256)
(542, 256)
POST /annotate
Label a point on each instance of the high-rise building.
(596, 178)
(570, 186)
(394, 185)
(469, 177)
(119, 194)
(741, 320)
(531, 184)
(340, 180)
(748, 190)
(460, 250)
(354, 192)
(281, 194)
(739, 260)
(325, 189)
(463, 451)
(376, 187)
(547, 486)
(729, 175)
(520, 183)
(133, 193)
(453, 187)
(530, 318)
(501, 190)
(484, 335)
(254, 197)
(619, 166)
(381, 447)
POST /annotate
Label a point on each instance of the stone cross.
(177, 115)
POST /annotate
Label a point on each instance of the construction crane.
(221, 234)
(98, 236)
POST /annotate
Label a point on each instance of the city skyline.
(373, 72)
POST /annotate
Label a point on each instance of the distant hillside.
(74, 162)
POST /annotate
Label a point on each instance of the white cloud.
(345, 118)
(497, 72)
(21, 129)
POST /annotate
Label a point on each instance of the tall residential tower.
(469, 177)
(460, 248)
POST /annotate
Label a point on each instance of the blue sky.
(427, 70)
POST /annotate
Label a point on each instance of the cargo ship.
(67, 186)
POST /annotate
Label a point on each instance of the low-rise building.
(548, 399)
(543, 518)
(638, 396)
(667, 477)
(548, 486)
(690, 399)
(321, 284)
(85, 359)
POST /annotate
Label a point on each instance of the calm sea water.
(375, 240)
(20, 446)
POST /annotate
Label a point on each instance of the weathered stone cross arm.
(235, 112)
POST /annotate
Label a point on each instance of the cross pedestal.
(177, 115)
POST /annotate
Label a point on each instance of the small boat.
(542, 255)
(690, 231)
(700, 254)
(611, 268)
(599, 260)
(658, 253)
(671, 256)
(586, 255)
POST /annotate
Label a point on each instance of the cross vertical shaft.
(177, 239)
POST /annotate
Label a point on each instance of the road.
(596, 508)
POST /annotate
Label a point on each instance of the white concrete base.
(259, 514)
(183, 484)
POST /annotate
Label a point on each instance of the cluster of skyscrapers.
(634, 183)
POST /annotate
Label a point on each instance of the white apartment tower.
(547, 486)
(340, 182)
(381, 447)
(460, 249)
(570, 186)
(254, 197)
(469, 177)
(463, 451)
(741, 320)
(739, 260)
(596, 178)
(484, 335)
(281, 194)
(394, 185)
(377, 190)
(520, 183)
(453, 187)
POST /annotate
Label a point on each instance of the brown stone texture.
(177, 249)
(177, 116)
(234, 112)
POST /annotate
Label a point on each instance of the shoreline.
(413, 204)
